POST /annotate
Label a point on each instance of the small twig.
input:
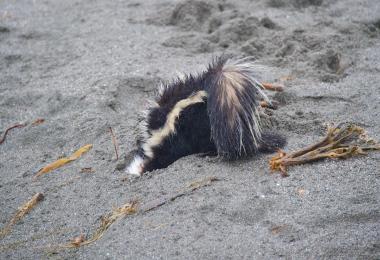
(8, 129)
(114, 143)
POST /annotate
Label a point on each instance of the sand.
(85, 66)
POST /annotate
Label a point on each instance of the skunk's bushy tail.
(233, 97)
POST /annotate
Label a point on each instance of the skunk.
(215, 112)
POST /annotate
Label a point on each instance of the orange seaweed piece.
(273, 86)
(59, 163)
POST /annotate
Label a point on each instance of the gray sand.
(87, 65)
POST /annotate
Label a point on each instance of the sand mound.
(191, 15)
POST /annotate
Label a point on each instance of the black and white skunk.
(214, 112)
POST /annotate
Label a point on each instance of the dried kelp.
(273, 86)
(21, 243)
(107, 221)
(131, 208)
(63, 161)
(21, 212)
(341, 141)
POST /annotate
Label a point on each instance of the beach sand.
(85, 66)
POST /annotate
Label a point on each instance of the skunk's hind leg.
(271, 142)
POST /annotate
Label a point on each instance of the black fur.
(214, 126)
(181, 89)
(229, 128)
(271, 142)
(192, 136)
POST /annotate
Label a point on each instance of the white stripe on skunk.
(157, 136)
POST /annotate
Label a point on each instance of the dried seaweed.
(107, 221)
(273, 86)
(131, 208)
(21, 212)
(38, 121)
(78, 240)
(341, 141)
(21, 243)
(59, 163)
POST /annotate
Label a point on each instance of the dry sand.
(85, 66)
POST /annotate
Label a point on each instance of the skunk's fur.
(215, 112)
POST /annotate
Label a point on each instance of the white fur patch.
(136, 167)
